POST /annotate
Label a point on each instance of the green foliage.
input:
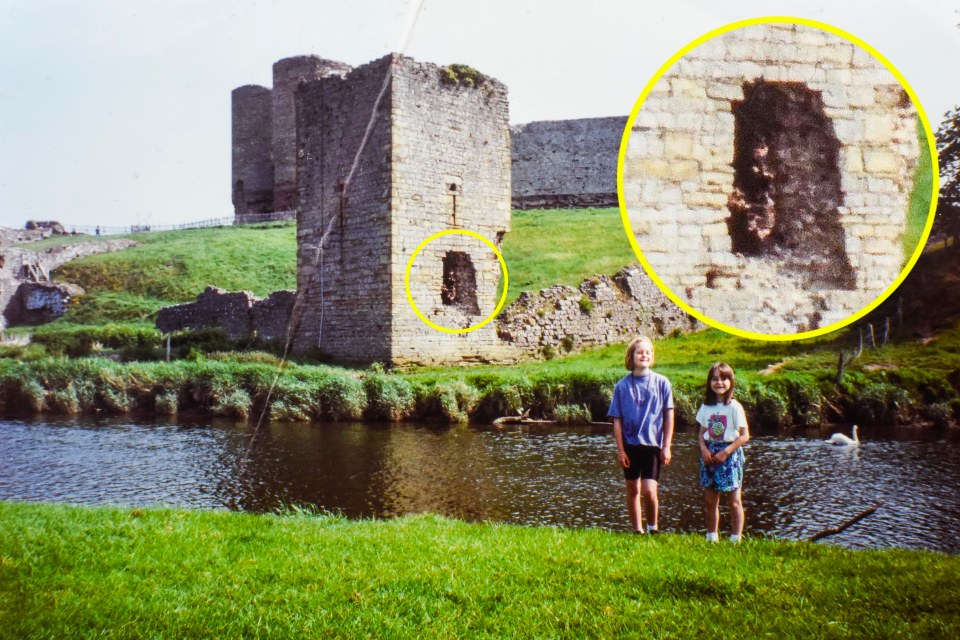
(586, 305)
(764, 405)
(295, 401)
(176, 266)
(881, 403)
(166, 403)
(234, 404)
(452, 401)
(462, 75)
(63, 401)
(389, 397)
(571, 414)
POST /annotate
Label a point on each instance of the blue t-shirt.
(640, 402)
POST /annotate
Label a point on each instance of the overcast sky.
(118, 113)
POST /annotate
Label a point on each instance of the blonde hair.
(628, 358)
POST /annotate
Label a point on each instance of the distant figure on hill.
(98, 231)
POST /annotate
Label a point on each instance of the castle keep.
(434, 155)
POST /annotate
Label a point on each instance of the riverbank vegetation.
(74, 572)
(899, 365)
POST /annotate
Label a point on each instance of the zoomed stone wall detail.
(680, 182)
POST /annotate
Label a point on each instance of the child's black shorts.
(644, 462)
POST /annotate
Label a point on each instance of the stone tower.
(265, 137)
(436, 157)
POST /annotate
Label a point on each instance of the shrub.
(765, 406)
(452, 401)
(235, 404)
(586, 305)
(115, 401)
(572, 414)
(882, 403)
(166, 403)
(295, 401)
(63, 401)
(343, 396)
(388, 397)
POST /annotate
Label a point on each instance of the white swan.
(841, 440)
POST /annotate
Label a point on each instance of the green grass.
(563, 246)
(71, 572)
(175, 266)
(545, 248)
(920, 196)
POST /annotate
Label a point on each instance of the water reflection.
(795, 484)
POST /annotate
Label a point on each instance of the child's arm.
(618, 435)
(741, 440)
(665, 453)
(704, 450)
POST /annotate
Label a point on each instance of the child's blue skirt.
(726, 476)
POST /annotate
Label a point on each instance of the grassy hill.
(544, 248)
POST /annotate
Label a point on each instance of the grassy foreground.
(147, 573)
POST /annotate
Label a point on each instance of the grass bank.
(544, 248)
(71, 572)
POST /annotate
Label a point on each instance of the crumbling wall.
(240, 314)
(566, 163)
(602, 310)
(39, 302)
(679, 179)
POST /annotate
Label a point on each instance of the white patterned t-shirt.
(721, 421)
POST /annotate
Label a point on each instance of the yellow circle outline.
(472, 234)
(931, 148)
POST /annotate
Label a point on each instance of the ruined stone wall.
(450, 160)
(251, 106)
(240, 314)
(683, 191)
(602, 310)
(346, 289)
(288, 75)
(566, 163)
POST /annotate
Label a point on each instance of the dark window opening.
(786, 186)
(460, 283)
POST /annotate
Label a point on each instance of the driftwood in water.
(852, 521)
(520, 420)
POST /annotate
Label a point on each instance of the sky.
(117, 113)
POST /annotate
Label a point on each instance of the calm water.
(795, 485)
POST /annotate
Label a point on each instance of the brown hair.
(628, 358)
(724, 372)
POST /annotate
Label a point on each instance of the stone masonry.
(240, 314)
(767, 178)
(436, 158)
(566, 163)
(602, 310)
(264, 138)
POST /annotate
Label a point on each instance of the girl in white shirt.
(723, 432)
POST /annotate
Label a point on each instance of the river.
(795, 484)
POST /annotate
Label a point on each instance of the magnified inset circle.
(459, 274)
(766, 176)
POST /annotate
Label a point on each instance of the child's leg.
(633, 503)
(712, 509)
(736, 512)
(648, 490)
